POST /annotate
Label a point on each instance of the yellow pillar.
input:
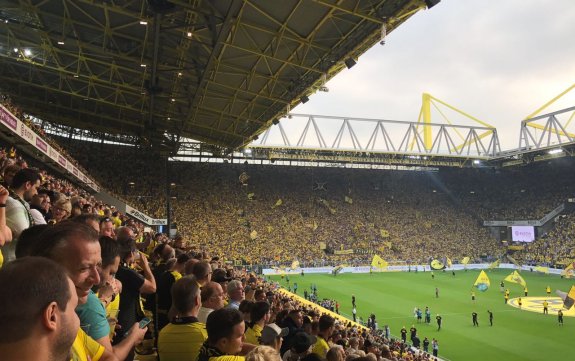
(426, 112)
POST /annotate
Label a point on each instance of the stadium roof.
(217, 71)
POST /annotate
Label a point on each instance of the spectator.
(61, 210)
(300, 346)
(5, 232)
(164, 287)
(75, 247)
(38, 320)
(326, 327)
(294, 323)
(220, 276)
(259, 317)
(212, 299)
(272, 335)
(236, 294)
(133, 284)
(203, 272)
(225, 341)
(24, 186)
(182, 338)
(263, 353)
(107, 228)
(335, 353)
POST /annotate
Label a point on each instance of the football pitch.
(516, 334)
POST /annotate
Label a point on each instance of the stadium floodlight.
(555, 151)
(27, 52)
(383, 34)
(477, 161)
(143, 22)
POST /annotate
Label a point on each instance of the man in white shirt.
(212, 299)
(18, 217)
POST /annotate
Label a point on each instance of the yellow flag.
(251, 196)
(513, 260)
(465, 260)
(542, 269)
(348, 200)
(384, 233)
(494, 264)
(569, 270)
(378, 262)
(449, 263)
(279, 202)
(569, 299)
(295, 264)
(482, 282)
(254, 234)
(515, 277)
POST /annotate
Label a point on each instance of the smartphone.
(144, 322)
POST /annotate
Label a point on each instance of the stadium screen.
(523, 233)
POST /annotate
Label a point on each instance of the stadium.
(165, 194)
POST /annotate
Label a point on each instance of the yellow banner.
(343, 251)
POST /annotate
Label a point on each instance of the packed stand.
(556, 249)
(269, 213)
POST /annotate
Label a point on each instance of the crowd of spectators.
(395, 214)
(101, 264)
(98, 263)
(6, 101)
(557, 248)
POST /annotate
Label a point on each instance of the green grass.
(515, 335)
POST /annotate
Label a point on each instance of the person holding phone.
(133, 284)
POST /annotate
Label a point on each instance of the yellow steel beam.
(550, 102)
(542, 127)
(426, 115)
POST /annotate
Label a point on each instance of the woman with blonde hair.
(61, 210)
(263, 353)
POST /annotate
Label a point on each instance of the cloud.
(496, 60)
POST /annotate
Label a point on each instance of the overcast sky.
(498, 60)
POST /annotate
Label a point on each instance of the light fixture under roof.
(173, 100)
(143, 22)
(143, 65)
(61, 42)
(15, 50)
(27, 52)
(189, 34)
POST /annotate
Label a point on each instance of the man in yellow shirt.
(182, 338)
(259, 316)
(38, 321)
(326, 327)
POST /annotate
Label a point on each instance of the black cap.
(220, 275)
(302, 341)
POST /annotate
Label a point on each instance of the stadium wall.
(420, 268)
